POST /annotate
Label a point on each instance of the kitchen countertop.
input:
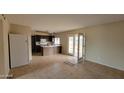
(51, 46)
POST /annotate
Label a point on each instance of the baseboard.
(105, 65)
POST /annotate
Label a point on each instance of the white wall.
(4, 53)
(104, 43)
(1, 49)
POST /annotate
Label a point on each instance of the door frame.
(83, 46)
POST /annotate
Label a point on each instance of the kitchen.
(46, 45)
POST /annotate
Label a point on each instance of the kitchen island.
(50, 50)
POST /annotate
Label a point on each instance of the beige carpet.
(53, 67)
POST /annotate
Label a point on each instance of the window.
(57, 40)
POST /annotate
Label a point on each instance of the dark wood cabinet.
(36, 38)
(35, 48)
(33, 44)
(51, 37)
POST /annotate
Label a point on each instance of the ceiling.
(62, 22)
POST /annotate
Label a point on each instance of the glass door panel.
(76, 46)
(71, 45)
(80, 46)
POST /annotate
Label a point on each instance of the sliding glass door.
(77, 46)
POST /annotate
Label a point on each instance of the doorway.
(76, 46)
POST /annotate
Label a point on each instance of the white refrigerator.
(19, 52)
